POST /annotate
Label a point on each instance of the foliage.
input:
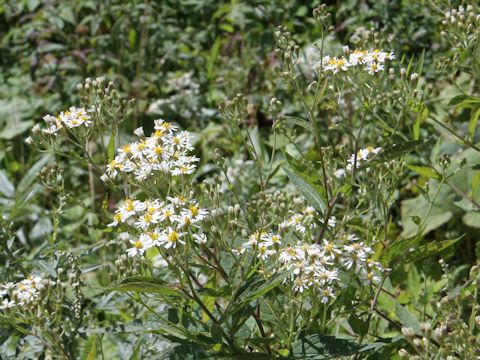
(313, 192)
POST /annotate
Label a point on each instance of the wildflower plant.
(298, 244)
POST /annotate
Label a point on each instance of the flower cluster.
(313, 266)
(160, 223)
(317, 266)
(22, 293)
(301, 221)
(165, 151)
(363, 156)
(370, 61)
(462, 17)
(72, 118)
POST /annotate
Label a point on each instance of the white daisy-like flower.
(139, 246)
(326, 294)
(171, 238)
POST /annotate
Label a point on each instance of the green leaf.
(144, 284)
(328, 347)
(300, 122)
(132, 38)
(406, 318)
(398, 249)
(216, 332)
(308, 183)
(472, 219)
(6, 187)
(395, 151)
(262, 286)
(212, 58)
(359, 325)
(139, 327)
(426, 250)
(421, 117)
(31, 176)
(185, 352)
(15, 128)
(463, 100)
(424, 171)
(91, 347)
(111, 148)
(472, 125)
(441, 212)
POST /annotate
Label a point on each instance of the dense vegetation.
(199, 179)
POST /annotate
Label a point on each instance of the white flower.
(167, 213)
(200, 238)
(75, 117)
(271, 239)
(6, 304)
(340, 173)
(146, 220)
(139, 132)
(335, 64)
(326, 294)
(171, 237)
(196, 213)
(183, 169)
(373, 68)
(139, 246)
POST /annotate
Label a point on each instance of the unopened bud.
(139, 132)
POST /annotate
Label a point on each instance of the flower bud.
(139, 132)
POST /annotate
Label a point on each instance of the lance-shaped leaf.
(307, 181)
(144, 284)
(329, 347)
(396, 151)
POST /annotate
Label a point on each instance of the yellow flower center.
(173, 236)
(194, 210)
(129, 205)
